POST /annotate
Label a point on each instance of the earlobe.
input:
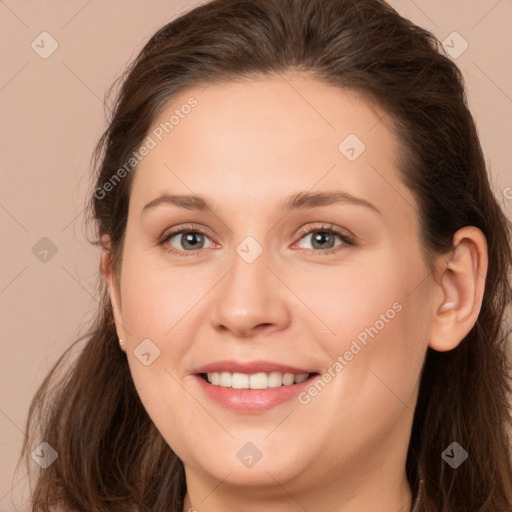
(462, 283)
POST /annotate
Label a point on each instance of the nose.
(250, 300)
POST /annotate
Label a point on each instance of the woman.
(333, 336)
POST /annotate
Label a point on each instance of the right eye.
(189, 241)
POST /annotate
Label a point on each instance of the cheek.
(163, 398)
(155, 300)
(159, 305)
(377, 319)
(371, 381)
(354, 296)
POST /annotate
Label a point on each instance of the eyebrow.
(298, 201)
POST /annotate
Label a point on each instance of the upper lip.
(250, 367)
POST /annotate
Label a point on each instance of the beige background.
(52, 113)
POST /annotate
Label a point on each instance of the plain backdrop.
(51, 115)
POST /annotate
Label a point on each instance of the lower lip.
(252, 400)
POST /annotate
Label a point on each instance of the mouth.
(252, 391)
(259, 380)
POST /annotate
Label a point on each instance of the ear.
(461, 289)
(114, 291)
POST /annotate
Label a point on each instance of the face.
(300, 255)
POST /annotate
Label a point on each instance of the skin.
(245, 148)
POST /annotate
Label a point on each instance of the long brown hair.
(111, 456)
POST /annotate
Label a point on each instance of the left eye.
(324, 238)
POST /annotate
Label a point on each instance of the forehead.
(254, 141)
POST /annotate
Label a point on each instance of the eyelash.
(346, 239)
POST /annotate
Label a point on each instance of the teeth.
(240, 381)
(258, 381)
(225, 379)
(275, 379)
(288, 379)
(261, 380)
(301, 377)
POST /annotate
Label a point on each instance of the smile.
(260, 380)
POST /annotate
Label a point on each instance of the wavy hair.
(111, 456)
